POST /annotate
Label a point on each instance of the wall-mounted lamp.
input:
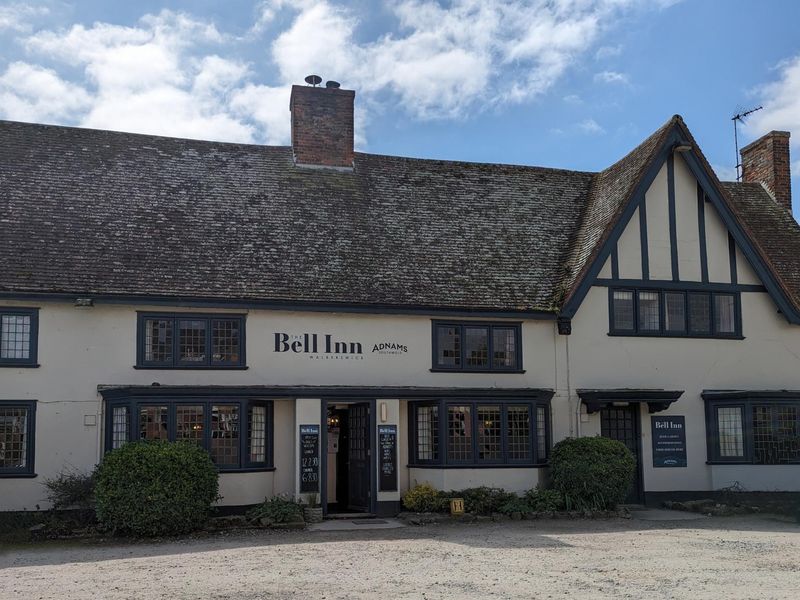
(384, 412)
(683, 148)
(84, 302)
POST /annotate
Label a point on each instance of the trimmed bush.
(71, 489)
(155, 488)
(515, 505)
(544, 500)
(423, 497)
(484, 500)
(592, 473)
(278, 509)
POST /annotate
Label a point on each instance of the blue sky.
(563, 83)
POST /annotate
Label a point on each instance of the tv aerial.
(739, 118)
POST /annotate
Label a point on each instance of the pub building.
(340, 326)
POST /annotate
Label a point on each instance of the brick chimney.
(766, 161)
(322, 125)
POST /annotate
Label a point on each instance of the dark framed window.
(17, 435)
(479, 433)
(474, 346)
(754, 430)
(674, 313)
(190, 341)
(237, 433)
(19, 337)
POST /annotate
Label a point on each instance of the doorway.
(348, 486)
(621, 423)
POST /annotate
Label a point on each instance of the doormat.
(370, 522)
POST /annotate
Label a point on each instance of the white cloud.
(32, 93)
(17, 16)
(573, 99)
(590, 126)
(611, 77)
(604, 52)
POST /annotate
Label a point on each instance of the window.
(190, 341)
(477, 346)
(19, 329)
(17, 423)
(215, 424)
(479, 432)
(754, 430)
(674, 313)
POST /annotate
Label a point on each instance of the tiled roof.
(93, 213)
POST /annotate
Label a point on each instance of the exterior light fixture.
(384, 412)
(84, 302)
(683, 148)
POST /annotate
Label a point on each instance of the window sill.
(675, 336)
(480, 466)
(246, 470)
(18, 475)
(19, 365)
(188, 368)
(473, 371)
(752, 464)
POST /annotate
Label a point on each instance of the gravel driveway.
(724, 557)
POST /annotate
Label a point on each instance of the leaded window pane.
(459, 433)
(541, 432)
(623, 310)
(448, 344)
(189, 423)
(730, 432)
(675, 312)
(15, 336)
(120, 426)
(153, 423)
(13, 437)
(476, 346)
(699, 314)
(490, 446)
(519, 433)
(257, 433)
(192, 340)
(504, 347)
(649, 311)
(428, 433)
(724, 313)
(225, 435)
(158, 340)
(225, 340)
(776, 435)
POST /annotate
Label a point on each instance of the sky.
(572, 84)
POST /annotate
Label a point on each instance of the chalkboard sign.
(387, 458)
(309, 458)
(669, 441)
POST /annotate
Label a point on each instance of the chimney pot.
(322, 126)
(766, 161)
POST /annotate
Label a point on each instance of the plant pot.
(312, 514)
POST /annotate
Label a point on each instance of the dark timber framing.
(701, 228)
(643, 237)
(708, 183)
(615, 262)
(732, 259)
(673, 231)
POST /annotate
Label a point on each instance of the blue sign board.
(669, 441)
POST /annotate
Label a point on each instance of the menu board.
(387, 458)
(669, 441)
(309, 458)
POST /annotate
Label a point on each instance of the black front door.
(621, 423)
(358, 455)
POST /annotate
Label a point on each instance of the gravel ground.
(724, 557)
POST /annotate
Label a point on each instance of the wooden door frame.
(373, 456)
(635, 407)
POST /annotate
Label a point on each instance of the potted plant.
(312, 510)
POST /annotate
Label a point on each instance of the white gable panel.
(744, 272)
(719, 270)
(658, 227)
(605, 272)
(629, 250)
(686, 222)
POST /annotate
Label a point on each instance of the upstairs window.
(190, 341)
(18, 337)
(674, 313)
(474, 347)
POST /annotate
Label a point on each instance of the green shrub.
(515, 504)
(592, 472)
(541, 500)
(278, 509)
(484, 500)
(423, 497)
(70, 489)
(155, 488)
